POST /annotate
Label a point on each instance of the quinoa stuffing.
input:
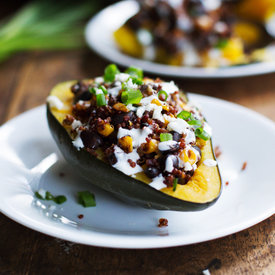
(138, 125)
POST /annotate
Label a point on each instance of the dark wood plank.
(25, 81)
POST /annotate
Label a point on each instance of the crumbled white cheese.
(149, 52)
(191, 56)
(131, 107)
(55, 102)
(167, 145)
(122, 163)
(131, 85)
(114, 91)
(78, 143)
(206, 272)
(99, 80)
(220, 27)
(144, 37)
(169, 163)
(190, 136)
(211, 5)
(178, 125)
(76, 124)
(187, 166)
(138, 135)
(122, 77)
(151, 107)
(157, 182)
(169, 87)
(184, 23)
(210, 162)
(214, 54)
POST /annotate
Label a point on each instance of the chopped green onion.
(137, 81)
(86, 198)
(165, 137)
(195, 122)
(110, 73)
(199, 132)
(38, 196)
(131, 96)
(59, 199)
(175, 183)
(49, 196)
(184, 115)
(222, 43)
(92, 90)
(161, 92)
(103, 89)
(100, 100)
(135, 72)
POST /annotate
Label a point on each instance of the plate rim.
(114, 55)
(115, 240)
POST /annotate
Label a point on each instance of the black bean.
(176, 136)
(91, 139)
(84, 96)
(152, 172)
(119, 117)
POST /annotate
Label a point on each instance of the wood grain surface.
(25, 81)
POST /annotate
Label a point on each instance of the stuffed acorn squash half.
(137, 138)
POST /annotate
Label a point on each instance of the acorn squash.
(201, 191)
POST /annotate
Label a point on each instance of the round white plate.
(29, 160)
(99, 36)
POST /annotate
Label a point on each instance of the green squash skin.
(112, 180)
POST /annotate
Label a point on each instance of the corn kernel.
(121, 107)
(126, 144)
(105, 129)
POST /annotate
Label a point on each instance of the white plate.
(99, 36)
(29, 160)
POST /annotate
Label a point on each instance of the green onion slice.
(195, 122)
(59, 199)
(86, 198)
(100, 100)
(103, 89)
(49, 197)
(165, 137)
(184, 115)
(175, 183)
(199, 132)
(137, 81)
(110, 73)
(131, 96)
(222, 43)
(161, 92)
(135, 72)
(92, 90)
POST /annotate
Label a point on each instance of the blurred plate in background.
(99, 36)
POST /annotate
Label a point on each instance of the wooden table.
(25, 81)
